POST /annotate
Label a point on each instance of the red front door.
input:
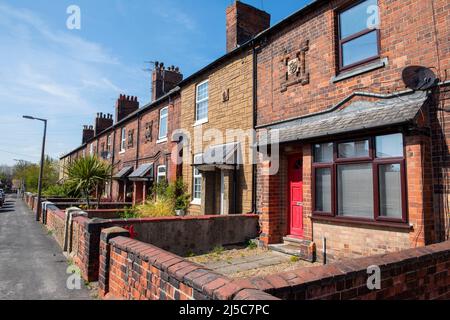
(296, 196)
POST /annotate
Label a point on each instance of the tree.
(87, 175)
(29, 174)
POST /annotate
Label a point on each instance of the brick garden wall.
(56, 220)
(419, 274)
(134, 270)
(179, 234)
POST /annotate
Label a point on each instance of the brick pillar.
(307, 192)
(105, 251)
(420, 190)
(270, 205)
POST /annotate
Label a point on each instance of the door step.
(303, 249)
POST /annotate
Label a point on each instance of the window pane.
(390, 191)
(390, 146)
(202, 91)
(197, 192)
(323, 190)
(354, 149)
(163, 128)
(356, 18)
(355, 190)
(202, 110)
(323, 153)
(360, 49)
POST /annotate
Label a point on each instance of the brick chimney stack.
(244, 22)
(88, 133)
(125, 106)
(164, 80)
(103, 122)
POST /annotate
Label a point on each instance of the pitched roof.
(123, 173)
(142, 171)
(359, 115)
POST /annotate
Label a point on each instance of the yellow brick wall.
(234, 75)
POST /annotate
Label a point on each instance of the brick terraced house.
(137, 144)
(363, 165)
(217, 116)
(350, 103)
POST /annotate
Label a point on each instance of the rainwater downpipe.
(255, 105)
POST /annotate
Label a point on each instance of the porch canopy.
(222, 157)
(123, 174)
(358, 116)
(143, 173)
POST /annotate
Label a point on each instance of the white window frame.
(123, 139)
(159, 174)
(196, 200)
(108, 146)
(163, 138)
(91, 149)
(197, 102)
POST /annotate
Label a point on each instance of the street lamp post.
(41, 172)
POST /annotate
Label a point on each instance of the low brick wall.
(105, 213)
(56, 220)
(134, 270)
(421, 273)
(198, 234)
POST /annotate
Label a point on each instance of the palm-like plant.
(88, 174)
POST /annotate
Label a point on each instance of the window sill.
(163, 140)
(380, 63)
(200, 122)
(122, 152)
(196, 202)
(362, 222)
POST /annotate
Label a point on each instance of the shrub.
(162, 207)
(129, 213)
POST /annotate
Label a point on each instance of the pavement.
(32, 266)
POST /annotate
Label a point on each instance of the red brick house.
(363, 159)
(137, 142)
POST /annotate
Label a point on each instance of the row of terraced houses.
(332, 124)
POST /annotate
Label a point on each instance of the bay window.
(360, 179)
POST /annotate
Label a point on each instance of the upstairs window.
(163, 116)
(108, 148)
(202, 100)
(123, 139)
(358, 34)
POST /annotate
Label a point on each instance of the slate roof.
(123, 173)
(357, 116)
(142, 171)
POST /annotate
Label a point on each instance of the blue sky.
(67, 76)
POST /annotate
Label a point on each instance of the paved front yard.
(247, 262)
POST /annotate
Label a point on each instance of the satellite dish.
(419, 78)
